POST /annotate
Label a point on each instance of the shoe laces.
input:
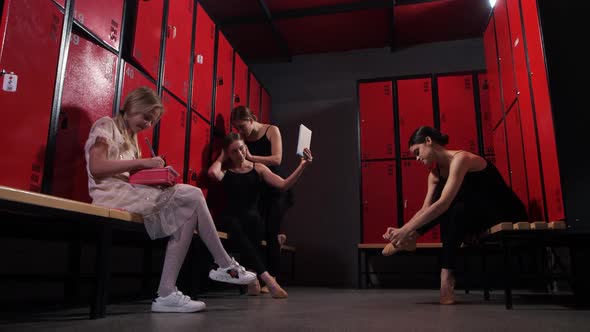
(236, 266)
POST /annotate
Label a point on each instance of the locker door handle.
(171, 31)
(405, 203)
(220, 81)
(236, 99)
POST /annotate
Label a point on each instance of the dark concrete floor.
(323, 309)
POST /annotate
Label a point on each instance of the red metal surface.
(203, 65)
(414, 188)
(501, 156)
(493, 72)
(29, 47)
(486, 118)
(199, 153)
(414, 100)
(505, 53)
(173, 133)
(240, 82)
(518, 172)
(102, 18)
(134, 79)
(147, 35)
(178, 48)
(254, 95)
(376, 120)
(457, 112)
(265, 107)
(284, 5)
(379, 199)
(88, 95)
(224, 80)
(543, 111)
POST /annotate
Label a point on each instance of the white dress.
(164, 209)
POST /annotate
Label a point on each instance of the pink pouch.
(165, 176)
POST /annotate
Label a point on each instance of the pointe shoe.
(390, 249)
(254, 288)
(447, 292)
(278, 293)
(264, 290)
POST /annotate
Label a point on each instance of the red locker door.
(414, 104)
(457, 112)
(493, 72)
(101, 17)
(173, 133)
(199, 152)
(376, 120)
(545, 130)
(265, 107)
(414, 188)
(60, 2)
(178, 48)
(486, 119)
(203, 69)
(147, 35)
(518, 172)
(505, 53)
(223, 93)
(29, 48)
(254, 95)
(240, 82)
(132, 80)
(379, 200)
(527, 119)
(501, 157)
(88, 94)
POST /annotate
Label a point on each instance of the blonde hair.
(141, 100)
(242, 113)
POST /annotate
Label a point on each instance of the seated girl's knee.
(193, 191)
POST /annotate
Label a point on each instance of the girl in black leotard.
(242, 181)
(264, 145)
(466, 195)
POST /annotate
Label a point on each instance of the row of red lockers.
(457, 104)
(520, 105)
(33, 27)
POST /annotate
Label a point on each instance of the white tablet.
(304, 140)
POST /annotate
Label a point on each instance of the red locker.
(414, 104)
(493, 73)
(265, 107)
(254, 96)
(545, 130)
(224, 79)
(376, 120)
(505, 53)
(486, 119)
(501, 157)
(60, 2)
(103, 18)
(178, 48)
(518, 172)
(536, 206)
(134, 79)
(88, 95)
(414, 188)
(203, 69)
(457, 112)
(172, 134)
(29, 48)
(240, 82)
(379, 200)
(199, 152)
(147, 35)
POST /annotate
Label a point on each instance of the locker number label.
(9, 82)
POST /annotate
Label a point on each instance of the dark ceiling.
(276, 30)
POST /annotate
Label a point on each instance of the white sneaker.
(176, 302)
(234, 274)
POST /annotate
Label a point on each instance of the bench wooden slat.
(28, 197)
(521, 226)
(126, 216)
(539, 225)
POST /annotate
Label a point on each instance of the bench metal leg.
(72, 285)
(484, 268)
(103, 271)
(507, 276)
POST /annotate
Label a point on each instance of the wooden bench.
(367, 250)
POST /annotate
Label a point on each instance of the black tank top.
(486, 194)
(262, 147)
(242, 192)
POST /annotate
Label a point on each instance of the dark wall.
(320, 92)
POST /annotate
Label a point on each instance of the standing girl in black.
(242, 181)
(264, 146)
(466, 195)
